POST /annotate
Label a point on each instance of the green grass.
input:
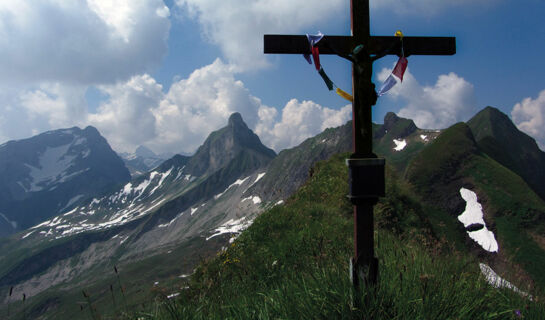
(292, 263)
(516, 209)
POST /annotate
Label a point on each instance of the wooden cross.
(366, 172)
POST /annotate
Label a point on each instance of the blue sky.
(165, 74)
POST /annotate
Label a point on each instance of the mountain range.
(159, 225)
(143, 160)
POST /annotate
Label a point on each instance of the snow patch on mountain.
(11, 223)
(72, 201)
(235, 226)
(236, 183)
(255, 199)
(180, 172)
(51, 168)
(400, 144)
(424, 137)
(136, 192)
(193, 210)
(473, 214)
(259, 176)
(498, 282)
(171, 221)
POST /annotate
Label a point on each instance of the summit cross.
(366, 171)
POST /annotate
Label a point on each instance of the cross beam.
(366, 172)
(298, 44)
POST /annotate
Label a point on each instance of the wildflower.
(518, 313)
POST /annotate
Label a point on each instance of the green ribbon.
(327, 81)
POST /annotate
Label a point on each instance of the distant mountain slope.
(143, 160)
(44, 175)
(496, 135)
(202, 199)
(399, 140)
(292, 167)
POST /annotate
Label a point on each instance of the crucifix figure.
(366, 171)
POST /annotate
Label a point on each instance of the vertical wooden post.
(364, 263)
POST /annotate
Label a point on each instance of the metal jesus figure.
(366, 171)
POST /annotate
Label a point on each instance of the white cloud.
(127, 119)
(529, 115)
(237, 26)
(54, 105)
(424, 7)
(449, 100)
(83, 42)
(195, 106)
(139, 112)
(299, 120)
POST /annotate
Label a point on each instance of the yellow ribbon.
(344, 94)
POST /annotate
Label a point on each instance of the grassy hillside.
(292, 263)
(511, 207)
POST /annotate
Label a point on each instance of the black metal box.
(366, 178)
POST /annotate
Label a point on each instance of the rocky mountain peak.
(145, 152)
(48, 173)
(235, 120)
(225, 144)
(397, 127)
(498, 137)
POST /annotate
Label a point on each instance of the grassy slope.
(292, 263)
(454, 161)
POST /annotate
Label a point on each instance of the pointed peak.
(491, 111)
(236, 120)
(390, 117)
(398, 127)
(143, 151)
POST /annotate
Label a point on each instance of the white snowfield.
(400, 144)
(473, 214)
(52, 167)
(498, 282)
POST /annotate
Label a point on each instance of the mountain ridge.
(203, 202)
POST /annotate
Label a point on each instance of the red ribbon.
(316, 57)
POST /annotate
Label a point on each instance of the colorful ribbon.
(344, 94)
(313, 41)
(327, 81)
(398, 72)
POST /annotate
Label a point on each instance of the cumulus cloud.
(451, 99)
(83, 42)
(127, 119)
(529, 115)
(424, 7)
(54, 105)
(195, 106)
(298, 121)
(237, 26)
(139, 112)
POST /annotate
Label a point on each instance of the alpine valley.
(76, 221)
